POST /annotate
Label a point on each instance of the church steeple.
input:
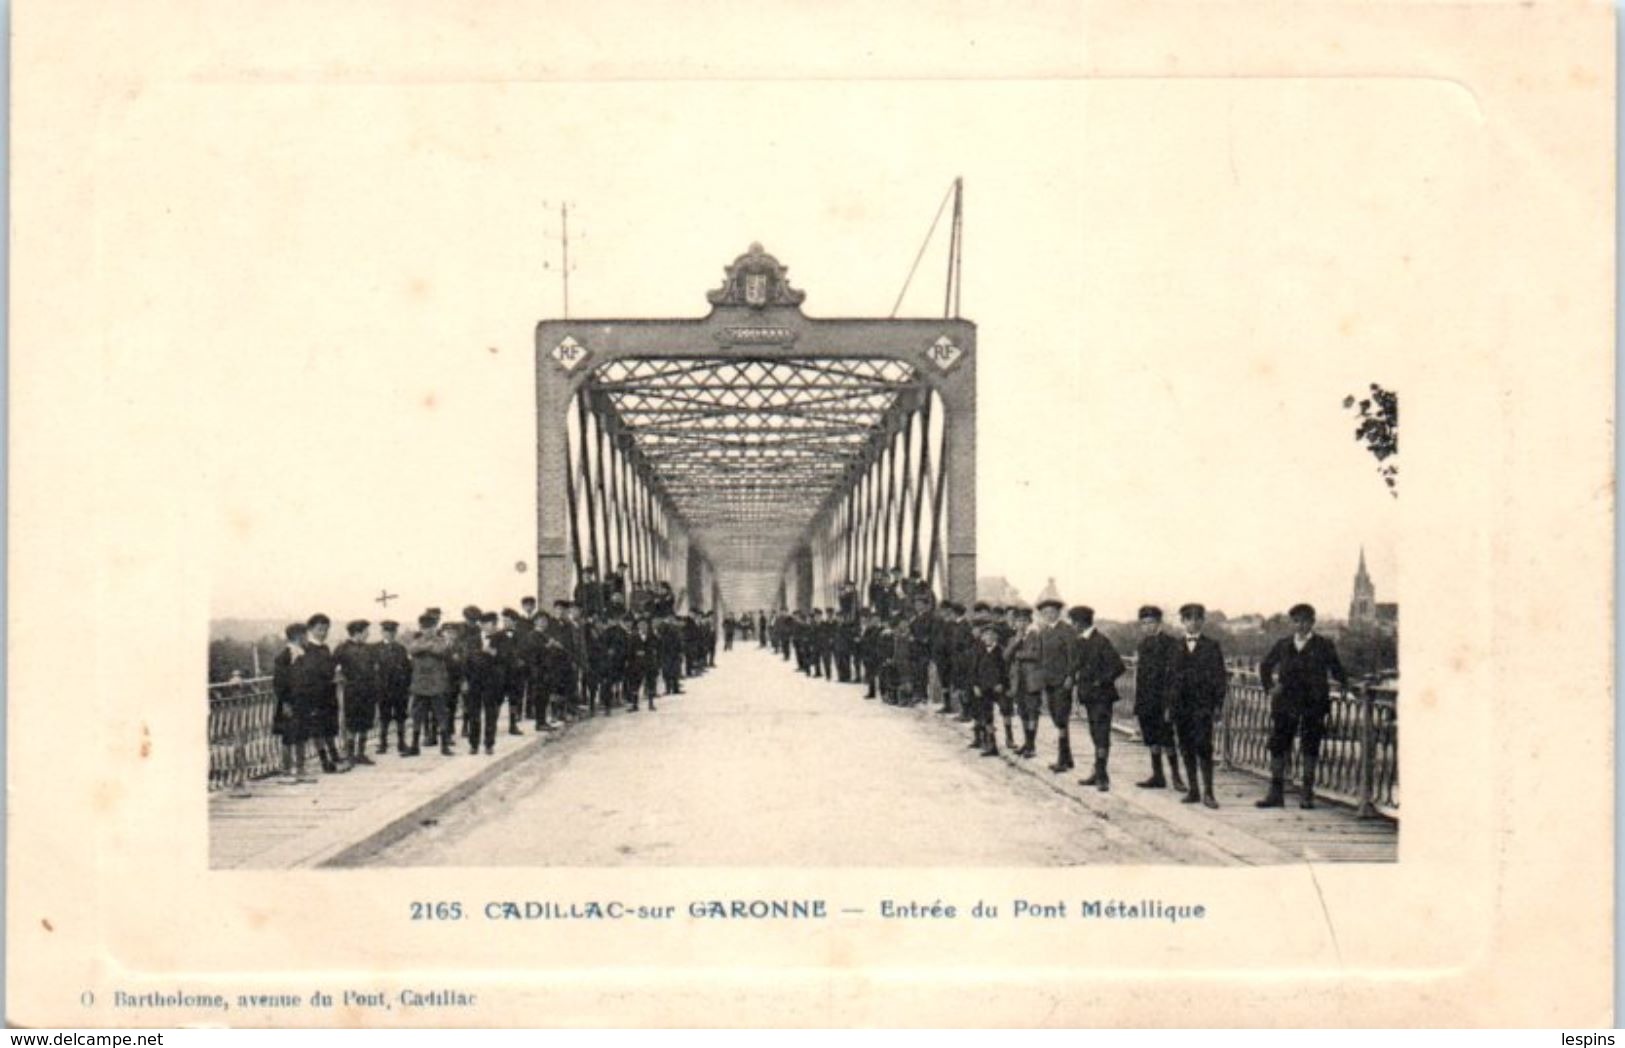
(1363, 605)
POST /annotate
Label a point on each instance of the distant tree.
(228, 655)
(1125, 636)
(1379, 431)
(1365, 651)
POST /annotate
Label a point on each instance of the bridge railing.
(1359, 752)
(242, 746)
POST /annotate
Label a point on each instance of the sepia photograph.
(761, 526)
(810, 515)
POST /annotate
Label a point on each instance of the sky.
(1175, 285)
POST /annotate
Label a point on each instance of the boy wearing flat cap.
(1197, 684)
(432, 727)
(1152, 665)
(430, 650)
(512, 657)
(1294, 675)
(989, 677)
(394, 685)
(1054, 648)
(485, 675)
(1019, 652)
(294, 715)
(1097, 668)
(568, 661)
(961, 663)
(314, 676)
(357, 666)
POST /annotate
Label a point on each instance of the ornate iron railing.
(241, 744)
(1359, 752)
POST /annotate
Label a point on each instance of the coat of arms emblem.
(756, 280)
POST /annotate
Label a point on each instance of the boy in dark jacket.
(431, 651)
(989, 675)
(1294, 675)
(315, 691)
(358, 667)
(1095, 672)
(486, 677)
(394, 686)
(292, 716)
(1197, 685)
(1151, 668)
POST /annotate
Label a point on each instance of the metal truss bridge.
(756, 457)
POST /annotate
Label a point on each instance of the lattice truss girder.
(748, 451)
(617, 511)
(891, 513)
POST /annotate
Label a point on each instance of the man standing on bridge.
(1299, 701)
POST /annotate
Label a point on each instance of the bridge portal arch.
(737, 446)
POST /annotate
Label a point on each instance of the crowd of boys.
(619, 646)
(992, 664)
(587, 657)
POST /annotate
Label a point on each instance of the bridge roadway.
(757, 765)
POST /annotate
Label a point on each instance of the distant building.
(1364, 611)
(1247, 624)
(1049, 592)
(996, 589)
